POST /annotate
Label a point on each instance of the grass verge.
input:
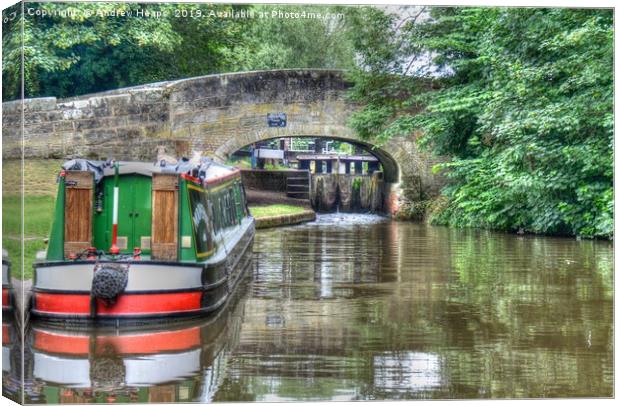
(275, 210)
(38, 213)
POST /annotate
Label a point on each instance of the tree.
(522, 104)
(81, 48)
(281, 37)
(11, 52)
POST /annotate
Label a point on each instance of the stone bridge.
(215, 114)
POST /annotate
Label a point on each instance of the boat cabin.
(151, 211)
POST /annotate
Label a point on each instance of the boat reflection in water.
(406, 372)
(365, 309)
(11, 358)
(180, 362)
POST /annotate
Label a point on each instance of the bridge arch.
(215, 114)
(390, 166)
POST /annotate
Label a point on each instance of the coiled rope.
(109, 281)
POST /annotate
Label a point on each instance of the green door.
(134, 213)
(142, 211)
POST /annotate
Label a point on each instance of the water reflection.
(182, 362)
(11, 358)
(384, 310)
(398, 371)
(364, 308)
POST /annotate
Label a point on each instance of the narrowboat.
(140, 241)
(180, 362)
(7, 290)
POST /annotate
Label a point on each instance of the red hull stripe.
(6, 339)
(125, 305)
(212, 181)
(125, 344)
(5, 297)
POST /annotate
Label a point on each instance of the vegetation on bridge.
(94, 47)
(519, 99)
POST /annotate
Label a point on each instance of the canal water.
(354, 307)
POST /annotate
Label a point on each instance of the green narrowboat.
(137, 240)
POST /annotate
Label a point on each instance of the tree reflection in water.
(387, 310)
(355, 307)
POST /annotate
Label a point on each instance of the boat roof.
(206, 169)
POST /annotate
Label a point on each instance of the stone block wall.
(215, 114)
(125, 126)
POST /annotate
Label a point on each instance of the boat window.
(218, 212)
(201, 225)
(228, 207)
(225, 210)
(238, 205)
(222, 211)
(243, 200)
(232, 205)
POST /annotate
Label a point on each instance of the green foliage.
(343, 147)
(79, 48)
(303, 42)
(239, 162)
(523, 105)
(415, 211)
(301, 143)
(276, 210)
(74, 50)
(38, 211)
(275, 167)
(520, 99)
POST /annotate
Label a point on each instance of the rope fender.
(109, 281)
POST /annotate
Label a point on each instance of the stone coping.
(285, 219)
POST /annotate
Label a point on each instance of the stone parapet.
(285, 219)
(214, 114)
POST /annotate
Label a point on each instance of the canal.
(355, 307)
